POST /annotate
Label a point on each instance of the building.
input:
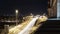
(52, 8)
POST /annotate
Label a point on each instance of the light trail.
(9, 21)
(19, 27)
(29, 26)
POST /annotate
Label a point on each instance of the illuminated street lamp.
(16, 16)
(16, 11)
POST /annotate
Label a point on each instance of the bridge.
(27, 27)
(10, 21)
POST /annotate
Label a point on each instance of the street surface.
(27, 27)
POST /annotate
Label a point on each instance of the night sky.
(25, 7)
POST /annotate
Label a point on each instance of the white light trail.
(30, 25)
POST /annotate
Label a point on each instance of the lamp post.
(16, 16)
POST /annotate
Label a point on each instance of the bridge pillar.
(6, 29)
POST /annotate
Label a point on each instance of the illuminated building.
(52, 8)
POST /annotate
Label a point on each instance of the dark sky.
(7, 7)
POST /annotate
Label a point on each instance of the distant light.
(16, 11)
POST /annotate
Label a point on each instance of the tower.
(52, 8)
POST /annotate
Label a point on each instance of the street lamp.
(16, 11)
(16, 16)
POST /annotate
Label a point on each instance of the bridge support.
(6, 29)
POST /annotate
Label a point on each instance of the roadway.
(26, 30)
(19, 27)
(26, 27)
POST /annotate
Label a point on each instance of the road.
(26, 27)
(26, 30)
